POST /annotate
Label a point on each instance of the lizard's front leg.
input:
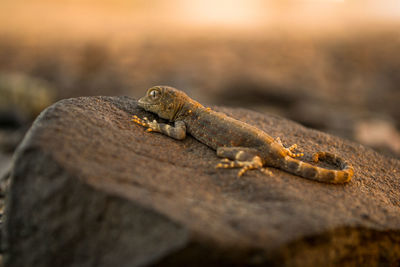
(240, 157)
(178, 131)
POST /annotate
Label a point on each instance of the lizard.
(239, 144)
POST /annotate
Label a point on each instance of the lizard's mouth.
(144, 104)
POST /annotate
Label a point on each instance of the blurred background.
(328, 64)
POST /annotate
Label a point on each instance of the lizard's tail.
(319, 174)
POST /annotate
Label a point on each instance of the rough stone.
(5, 166)
(90, 188)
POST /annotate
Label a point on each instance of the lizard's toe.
(139, 121)
(291, 149)
(226, 163)
(255, 163)
(152, 126)
(266, 171)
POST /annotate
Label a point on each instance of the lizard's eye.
(154, 94)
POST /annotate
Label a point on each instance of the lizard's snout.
(141, 102)
(144, 103)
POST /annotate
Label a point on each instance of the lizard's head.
(165, 101)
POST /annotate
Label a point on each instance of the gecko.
(241, 145)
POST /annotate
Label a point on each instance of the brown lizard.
(240, 144)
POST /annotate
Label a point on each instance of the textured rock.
(5, 165)
(90, 188)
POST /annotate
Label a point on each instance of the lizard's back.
(215, 129)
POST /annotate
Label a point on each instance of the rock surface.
(90, 188)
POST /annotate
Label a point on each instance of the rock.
(5, 166)
(90, 188)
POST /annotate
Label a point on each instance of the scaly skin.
(240, 144)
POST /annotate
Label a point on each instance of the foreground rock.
(90, 188)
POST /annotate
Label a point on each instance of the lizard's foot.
(290, 149)
(293, 155)
(145, 122)
(255, 163)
